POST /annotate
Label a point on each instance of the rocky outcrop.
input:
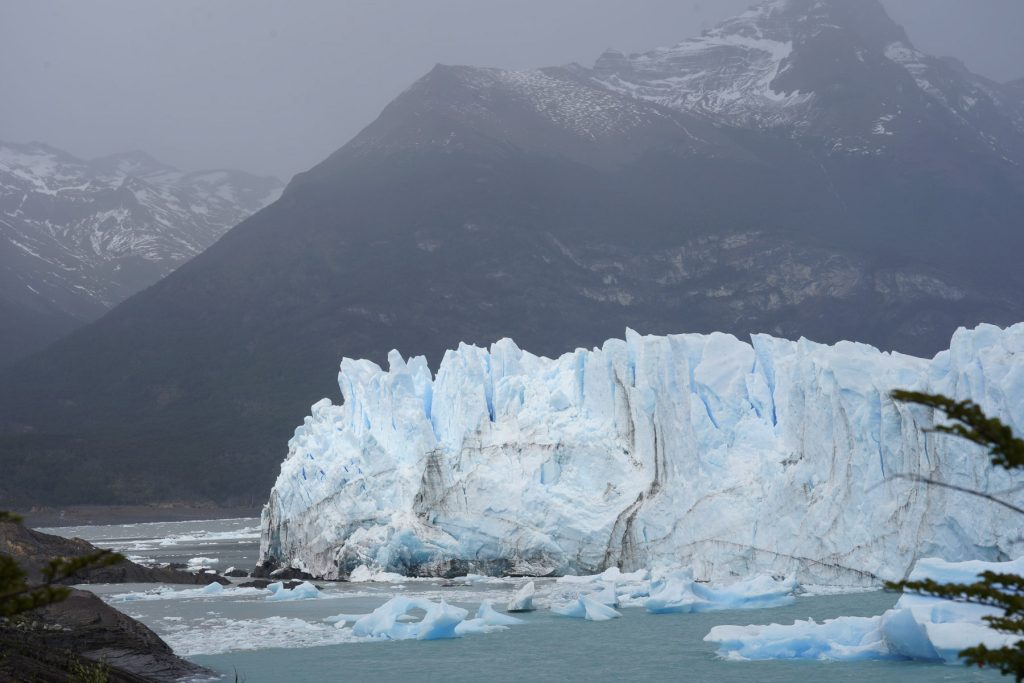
(34, 550)
(84, 636)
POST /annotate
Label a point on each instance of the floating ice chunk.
(961, 572)
(919, 627)
(492, 617)
(213, 590)
(906, 637)
(618, 576)
(304, 591)
(477, 626)
(607, 596)
(843, 639)
(479, 578)
(522, 601)
(342, 620)
(383, 621)
(363, 574)
(587, 608)
(200, 562)
(439, 620)
(678, 592)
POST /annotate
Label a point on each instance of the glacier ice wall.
(735, 458)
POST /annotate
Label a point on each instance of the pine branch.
(980, 494)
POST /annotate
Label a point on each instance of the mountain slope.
(78, 237)
(555, 207)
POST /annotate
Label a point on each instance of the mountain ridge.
(77, 237)
(544, 207)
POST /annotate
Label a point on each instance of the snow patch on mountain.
(727, 73)
(94, 232)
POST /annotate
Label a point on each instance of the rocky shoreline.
(83, 638)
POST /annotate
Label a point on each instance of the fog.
(273, 87)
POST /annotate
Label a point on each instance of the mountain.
(732, 458)
(78, 237)
(556, 207)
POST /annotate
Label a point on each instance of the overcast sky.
(274, 86)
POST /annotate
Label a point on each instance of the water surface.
(240, 631)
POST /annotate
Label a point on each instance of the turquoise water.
(289, 642)
(639, 646)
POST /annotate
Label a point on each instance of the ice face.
(770, 457)
(919, 627)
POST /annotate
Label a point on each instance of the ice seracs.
(736, 458)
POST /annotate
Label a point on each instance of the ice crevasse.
(769, 457)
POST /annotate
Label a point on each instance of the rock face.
(33, 550)
(78, 237)
(829, 182)
(56, 643)
(66, 640)
(736, 458)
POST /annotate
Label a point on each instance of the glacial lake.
(241, 631)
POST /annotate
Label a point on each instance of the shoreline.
(97, 515)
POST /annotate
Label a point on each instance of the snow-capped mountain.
(736, 458)
(839, 71)
(78, 237)
(557, 207)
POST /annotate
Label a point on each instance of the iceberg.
(522, 601)
(678, 592)
(768, 457)
(304, 591)
(491, 617)
(586, 607)
(919, 627)
(488, 620)
(607, 596)
(440, 620)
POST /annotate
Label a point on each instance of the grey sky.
(273, 87)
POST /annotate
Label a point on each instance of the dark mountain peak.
(557, 111)
(865, 21)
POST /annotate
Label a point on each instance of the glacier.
(777, 457)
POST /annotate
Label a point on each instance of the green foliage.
(17, 596)
(87, 672)
(971, 423)
(1002, 591)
